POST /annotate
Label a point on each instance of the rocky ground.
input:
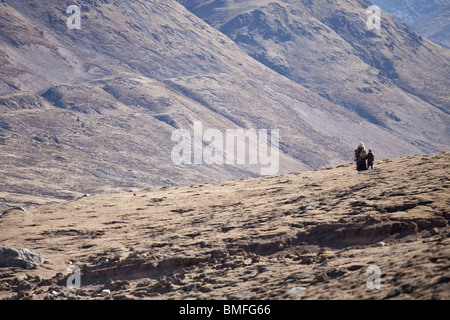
(308, 235)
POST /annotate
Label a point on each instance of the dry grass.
(252, 238)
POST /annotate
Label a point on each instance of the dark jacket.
(370, 158)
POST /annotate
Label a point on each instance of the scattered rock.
(336, 272)
(413, 228)
(373, 219)
(443, 279)
(262, 269)
(118, 285)
(354, 267)
(46, 282)
(177, 281)
(218, 254)
(23, 258)
(49, 296)
(407, 288)
(393, 293)
(308, 259)
(358, 203)
(205, 289)
(321, 277)
(82, 292)
(409, 205)
(189, 287)
(427, 234)
(24, 285)
(434, 231)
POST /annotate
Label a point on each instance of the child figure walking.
(370, 159)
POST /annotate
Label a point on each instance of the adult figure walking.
(360, 157)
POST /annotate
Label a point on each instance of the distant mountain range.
(429, 18)
(94, 109)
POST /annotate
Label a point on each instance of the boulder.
(23, 258)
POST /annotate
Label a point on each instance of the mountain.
(429, 18)
(329, 49)
(94, 109)
(409, 11)
(323, 234)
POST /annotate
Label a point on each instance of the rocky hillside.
(305, 235)
(94, 109)
(327, 47)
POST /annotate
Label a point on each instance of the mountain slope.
(392, 77)
(429, 18)
(319, 231)
(94, 109)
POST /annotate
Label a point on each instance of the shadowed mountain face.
(409, 11)
(328, 48)
(94, 109)
(429, 18)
